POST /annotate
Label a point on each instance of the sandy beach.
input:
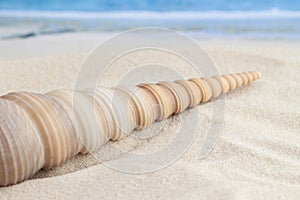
(256, 157)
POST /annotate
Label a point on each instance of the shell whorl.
(43, 131)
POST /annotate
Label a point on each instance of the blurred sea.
(265, 19)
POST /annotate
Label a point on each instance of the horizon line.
(213, 14)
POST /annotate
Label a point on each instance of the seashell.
(238, 80)
(244, 78)
(195, 96)
(215, 86)
(43, 131)
(179, 94)
(224, 83)
(204, 88)
(231, 81)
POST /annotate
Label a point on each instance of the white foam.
(267, 14)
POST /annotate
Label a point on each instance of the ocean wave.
(266, 14)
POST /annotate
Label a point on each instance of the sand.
(256, 157)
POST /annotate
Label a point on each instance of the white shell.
(45, 130)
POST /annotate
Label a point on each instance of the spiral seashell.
(43, 131)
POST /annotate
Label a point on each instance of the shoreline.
(86, 42)
(275, 27)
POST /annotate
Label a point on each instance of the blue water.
(267, 19)
(150, 5)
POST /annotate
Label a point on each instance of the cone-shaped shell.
(45, 130)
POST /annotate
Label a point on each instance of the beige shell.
(43, 131)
